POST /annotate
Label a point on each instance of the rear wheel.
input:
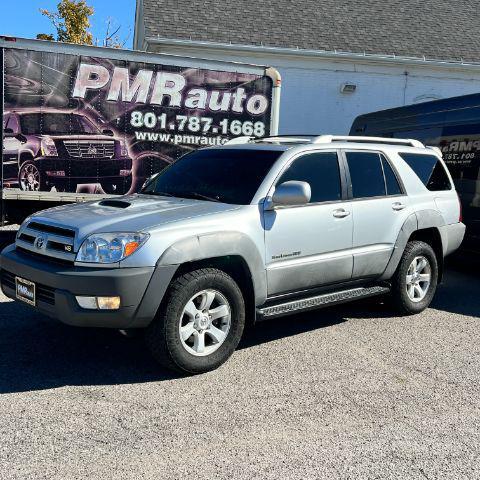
(31, 178)
(415, 281)
(200, 324)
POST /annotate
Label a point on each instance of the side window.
(429, 170)
(321, 171)
(391, 181)
(366, 174)
(13, 124)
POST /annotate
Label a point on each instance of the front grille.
(88, 149)
(43, 293)
(27, 238)
(8, 279)
(59, 246)
(43, 227)
(48, 242)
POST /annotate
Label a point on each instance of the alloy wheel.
(30, 178)
(418, 279)
(205, 322)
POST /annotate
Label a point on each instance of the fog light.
(55, 173)
(108, 303)
(98, 303)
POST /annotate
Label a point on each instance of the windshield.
(56, 124)
(223, 175)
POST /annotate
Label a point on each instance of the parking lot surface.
(349, 392)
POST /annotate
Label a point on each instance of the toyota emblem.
(39, 242)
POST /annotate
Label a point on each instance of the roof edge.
(326, 54)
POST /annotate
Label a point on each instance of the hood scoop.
(114, 203)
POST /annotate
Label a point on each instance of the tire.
(406, 282)
(119, 187)
(181, 309)
(31, 178)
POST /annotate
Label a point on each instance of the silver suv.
(251, 230)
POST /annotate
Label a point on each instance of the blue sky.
(21, 18)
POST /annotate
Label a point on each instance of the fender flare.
(23, 152)
(416, 221)
(220, 244)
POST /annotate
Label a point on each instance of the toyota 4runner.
(250, 230)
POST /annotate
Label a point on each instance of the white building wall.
(311, 98)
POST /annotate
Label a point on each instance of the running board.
(319, 301)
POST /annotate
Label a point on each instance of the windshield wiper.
(160, 194)
(199, 196)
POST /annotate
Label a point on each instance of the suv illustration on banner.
(62, 149)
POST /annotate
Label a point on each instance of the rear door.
(379, 208)
(310, 245)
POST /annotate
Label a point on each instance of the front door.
(310, 245)
(11, 148)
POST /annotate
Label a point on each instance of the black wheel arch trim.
(416, 222)
(220, 244)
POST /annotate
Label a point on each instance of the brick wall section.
(437, 29)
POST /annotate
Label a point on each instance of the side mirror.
(149, 181)
(8, 133)
(291, 193)
(108, 132)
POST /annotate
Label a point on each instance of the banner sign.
(84, 124)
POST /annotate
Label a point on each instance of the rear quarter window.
(429, 170)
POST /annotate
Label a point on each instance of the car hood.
(88, 136)
(130, 213)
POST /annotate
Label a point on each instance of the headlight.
(48, 147)
(110, 247)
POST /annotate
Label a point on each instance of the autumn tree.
(71, 21)
(45, 36)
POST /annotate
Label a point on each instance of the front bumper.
(141, 289)
(85, 168)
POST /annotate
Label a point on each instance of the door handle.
(398, 206)
(340, 213)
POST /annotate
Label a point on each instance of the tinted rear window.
(391, 181)
(366, 174)
(429, 170)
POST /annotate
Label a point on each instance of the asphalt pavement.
(348, 392)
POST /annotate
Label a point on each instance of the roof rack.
(437, 150)
(272, 139)
(324, 139)
(387, 141)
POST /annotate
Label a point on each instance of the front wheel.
(415, 280)
(200, 324)
(31, 178)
